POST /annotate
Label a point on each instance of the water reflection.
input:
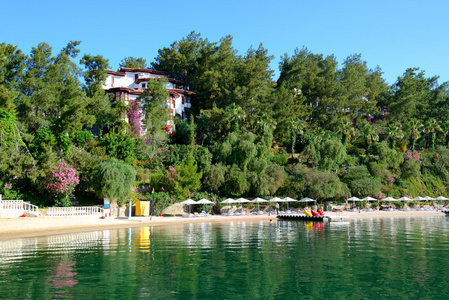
(289, 259)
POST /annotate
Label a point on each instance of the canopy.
(204, 201)
(354, 199)
(369, 199)
(441, 198)
(419, 198)
(404, 199)
(307, 199)
(276, 199)
(389, 199)
(229, 200)
(189, 202)
(242, 200)
(429, 198)
(288, 199)
(258, 200)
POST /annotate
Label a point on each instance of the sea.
(392, 258)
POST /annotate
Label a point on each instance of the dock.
(303, 217)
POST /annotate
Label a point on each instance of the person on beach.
(277, 208)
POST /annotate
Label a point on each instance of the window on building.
(143, 86)
(183, 99)
(112, 80)
(136, 76)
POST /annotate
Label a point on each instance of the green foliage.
(214, 178)
(366, 186)
(161, 201)
(82, 137)
(133, 63)
(118, 145)
(326, 154)
(388, 156)
(114, 180)
(276, 177)
(187, 179)
(156, 114)
(325, 185)
(411, 169)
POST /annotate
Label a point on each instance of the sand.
(11, 228)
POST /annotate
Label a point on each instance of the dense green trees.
(322, 129)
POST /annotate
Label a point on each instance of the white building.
(129, 83)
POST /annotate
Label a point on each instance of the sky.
(392, 34)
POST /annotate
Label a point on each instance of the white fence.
(87, 211)
(16, 208)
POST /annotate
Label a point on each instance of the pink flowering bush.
(379, 195)
(62, 182)
(412, 155)
(134, 118)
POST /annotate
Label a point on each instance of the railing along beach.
(84, 211)
(17, 207)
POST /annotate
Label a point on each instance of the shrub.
(114, 180)
(61, 182)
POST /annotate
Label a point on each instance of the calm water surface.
(369, 259)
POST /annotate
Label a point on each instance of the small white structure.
(128, 84)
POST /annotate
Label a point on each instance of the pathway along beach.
(12, 228)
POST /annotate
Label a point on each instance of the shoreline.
(19, 227)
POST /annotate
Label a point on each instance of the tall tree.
(394, 133)
(415, 128)
(295, 127)
(133, 62)
(431, 128)
(412, 95)
(312, 78)
(155, 112)
(94, 78)
(51, 94)
(12, 63)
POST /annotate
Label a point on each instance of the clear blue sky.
(393, 34)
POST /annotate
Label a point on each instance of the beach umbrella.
(276, 199)
(389, 199)
(258, 200)
(419, 198)
(204, 201)
(242, 200)
(189, 202)
(369, 199)
(428, 198)
(288, 199)
(441, 198)
(228, 201)
(354, 199)
(404, 199)
(306, 199)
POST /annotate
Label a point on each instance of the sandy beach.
(11, 228)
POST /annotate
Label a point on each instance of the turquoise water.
(369, 259)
